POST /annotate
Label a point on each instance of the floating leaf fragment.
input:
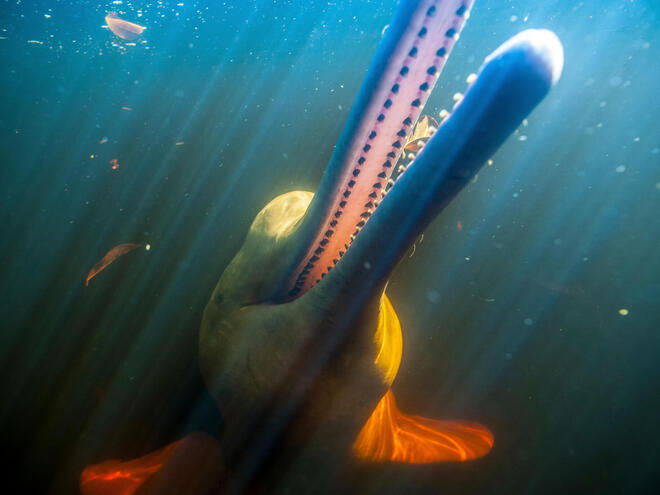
(109, 257)
(124, 29)
(424, 129)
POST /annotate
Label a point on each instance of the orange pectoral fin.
(390, 435)
(191, 463)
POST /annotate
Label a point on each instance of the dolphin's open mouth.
(404, 71)
(353, 190)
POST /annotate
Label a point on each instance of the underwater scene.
(310, 247)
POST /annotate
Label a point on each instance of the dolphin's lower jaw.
(312, 359)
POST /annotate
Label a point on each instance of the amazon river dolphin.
(288, 342)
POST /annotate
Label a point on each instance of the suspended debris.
(424, 129)
(110, 256)
(114, 163)
(124, 29)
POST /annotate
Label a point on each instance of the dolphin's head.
(287, 340)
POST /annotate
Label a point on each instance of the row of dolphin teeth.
(402, 167)
(444, 114)
(379, 187)
(406, 160)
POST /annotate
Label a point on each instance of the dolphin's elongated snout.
(511, 82)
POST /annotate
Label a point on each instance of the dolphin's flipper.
(390, 435)
(189, 465)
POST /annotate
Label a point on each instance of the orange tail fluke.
(191, 463)
(390, 435)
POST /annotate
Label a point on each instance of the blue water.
(511, 305)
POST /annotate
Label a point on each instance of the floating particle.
(528, 321)
(128, 109)
(620, 169)
(124, 29)
(179, 143)
(522, 138)
(147, 247)
(103, 140)
(471, 78)
(109, 257)
(433, 296)
(114, 164)
(459, 225)
(623, 312)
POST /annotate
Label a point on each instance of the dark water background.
(512, 320)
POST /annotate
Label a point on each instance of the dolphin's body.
(287, 339)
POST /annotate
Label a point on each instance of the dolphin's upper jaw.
(404, 70)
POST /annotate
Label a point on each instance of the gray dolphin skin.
(287, 338)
